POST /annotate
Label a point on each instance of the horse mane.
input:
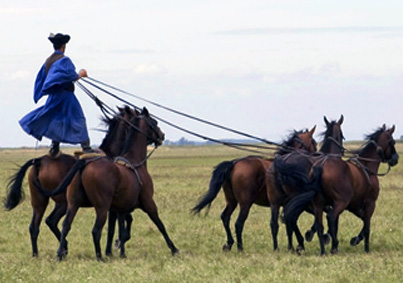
(369, 141)
(132, 135)
(112, 127)
(289, 141)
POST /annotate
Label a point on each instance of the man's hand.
(82, 73)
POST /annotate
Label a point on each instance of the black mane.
(370, 138)
(287, 144)
(134, 127)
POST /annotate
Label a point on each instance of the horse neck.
(330, 147)
(370, 157)
(138, 149)
(113, 146)
(332, 142)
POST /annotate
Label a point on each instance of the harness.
(126, 163)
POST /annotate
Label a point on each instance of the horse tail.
(15, 192)
(221, 174)
(67, 179)
(291, 174)
(297, 204)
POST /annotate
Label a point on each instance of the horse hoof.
(354, 241)
(175, 252)
(226, 248)
(123, 256)
(326, 239)
(300, 250)
(309, 236)
(334, 251)
(108, 254)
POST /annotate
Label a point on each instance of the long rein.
(106, 109)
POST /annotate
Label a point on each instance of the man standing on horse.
(61, 119)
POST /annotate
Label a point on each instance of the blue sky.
(262, 67)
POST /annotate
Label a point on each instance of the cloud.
(297, 30)
(150, 69)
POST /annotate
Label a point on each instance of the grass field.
(181, 175)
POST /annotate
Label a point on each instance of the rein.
(230, 144)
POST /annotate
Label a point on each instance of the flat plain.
(181, 176)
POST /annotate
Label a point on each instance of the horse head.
(299, 140)
(386, 145)
(304, 140)
(333, 137)
(153, 132)
(118, 127)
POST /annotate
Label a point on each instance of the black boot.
(54, 150)
(86, 147)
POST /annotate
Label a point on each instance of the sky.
(261, 67)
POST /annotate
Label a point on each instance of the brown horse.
(279, 192)
(243, 182)
(48, 172)
(351, 185)
(120, 186)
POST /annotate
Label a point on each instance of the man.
(61, 119)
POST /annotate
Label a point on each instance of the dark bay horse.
(351, 185)
(280, 191)
(48, 172)
(120, 186)
(243, 182)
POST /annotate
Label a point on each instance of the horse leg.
(100, 220)
(112, 217)
(239, 224)
(369, 210)
(70, 214)
(356, 240)
(310, 233)
(151, 209)
(126, 231)
(34, 227)
(300, 239)
(274, 225)
(122, 236)
(319, 228)
(226, 218)
(333, 219)
(53, 219)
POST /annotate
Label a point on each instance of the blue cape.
(61, 119)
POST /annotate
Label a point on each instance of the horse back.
(344, 181)
(248, 181)
(108, 184)
(50, 173)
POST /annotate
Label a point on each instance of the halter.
(337, 143)
(380, 151)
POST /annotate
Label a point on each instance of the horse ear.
(145, 112)
(340, 120)
(391, 130)
(326, 121)
(312, 130)
(384, 127)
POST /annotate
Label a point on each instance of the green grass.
(181, 175)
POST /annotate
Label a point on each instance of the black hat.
(59, 38)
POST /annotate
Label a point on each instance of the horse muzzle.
(393, 160)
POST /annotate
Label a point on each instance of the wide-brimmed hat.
(59, 38)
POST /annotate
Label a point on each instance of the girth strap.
(124, 162)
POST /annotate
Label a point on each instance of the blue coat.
(61, 119)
